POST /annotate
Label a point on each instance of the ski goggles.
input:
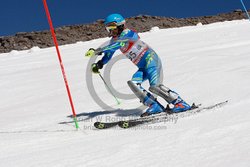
(111, 28)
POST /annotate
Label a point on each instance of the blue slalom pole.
(245, 9)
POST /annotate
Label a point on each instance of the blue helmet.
(117, 18)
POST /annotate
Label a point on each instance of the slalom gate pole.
(60, 61)
(118, 102)
(245, 9)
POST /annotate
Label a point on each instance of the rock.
(73, 33)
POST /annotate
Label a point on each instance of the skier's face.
(112, 29)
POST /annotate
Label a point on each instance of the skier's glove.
(90, 52)
(96, 66)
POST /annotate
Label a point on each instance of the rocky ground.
(85, 32)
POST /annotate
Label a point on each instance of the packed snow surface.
(205, 64)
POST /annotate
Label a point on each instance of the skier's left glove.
(90, 52)
(96, 66)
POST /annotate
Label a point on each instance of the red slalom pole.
(60, 61)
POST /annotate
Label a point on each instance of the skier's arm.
(107, 56)
(110, 50)
(108, 53)
(99, 65)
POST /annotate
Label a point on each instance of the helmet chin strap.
(112, 35)
(120, 29)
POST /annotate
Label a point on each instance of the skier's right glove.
(96, 66)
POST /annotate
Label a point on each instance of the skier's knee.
(162, 91)
(158, 88)
(136, 90)
(131, 84)
(153, 89)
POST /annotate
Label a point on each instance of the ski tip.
(124, 124)
(99, 125)
(96, 123)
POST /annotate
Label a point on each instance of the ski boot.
(179, 105)
(154, 106)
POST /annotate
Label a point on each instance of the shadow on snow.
(117, 112)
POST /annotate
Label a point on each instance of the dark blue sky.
(28, 15)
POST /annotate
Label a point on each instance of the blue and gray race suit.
(139, 53)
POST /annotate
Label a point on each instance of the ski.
(132, 123)
(156, 117)
(105, 125)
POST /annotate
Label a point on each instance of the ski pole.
(118, 102)
(245, 9)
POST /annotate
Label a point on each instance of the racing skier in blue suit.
(148, 63)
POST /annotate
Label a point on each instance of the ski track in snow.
(205, 64)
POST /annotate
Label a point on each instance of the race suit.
(139, 53)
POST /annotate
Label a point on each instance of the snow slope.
(205, 64)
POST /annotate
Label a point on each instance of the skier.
(148, 63)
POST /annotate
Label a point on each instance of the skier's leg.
(135, 84)
(169, 95)
(164, 92)
(145, 97)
